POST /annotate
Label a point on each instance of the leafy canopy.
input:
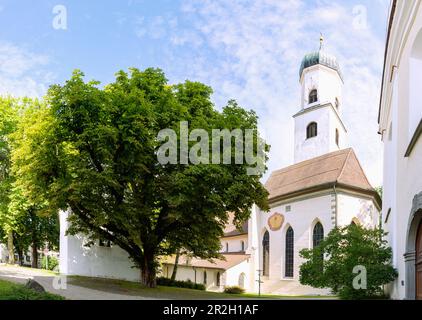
(94, 151)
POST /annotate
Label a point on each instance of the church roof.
(319, 57)
(229, 260)
(231, 231)
(340, 168)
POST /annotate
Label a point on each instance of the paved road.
(46, 279)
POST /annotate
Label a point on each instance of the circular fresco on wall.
(275, 222)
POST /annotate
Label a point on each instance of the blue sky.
(246, 50)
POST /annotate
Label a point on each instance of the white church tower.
(318, 125)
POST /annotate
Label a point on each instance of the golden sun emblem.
(275, 222)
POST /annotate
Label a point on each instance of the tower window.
(313, 96)
(242, 244)
(312, 130)
(227, 247)
(337, 138)
(337, 104)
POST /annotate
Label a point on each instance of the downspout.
(336, 204)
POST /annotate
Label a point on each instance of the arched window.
(337, 104)
(266, 254)
(242, 244)
(242, 280)
(311, 130)
(313, 96)
(318, 234)
(337, 138)
(289, 254)
(218, 279)
(227, 247)
(205, 278)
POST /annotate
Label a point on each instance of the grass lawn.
(13, 291)
(161, 292)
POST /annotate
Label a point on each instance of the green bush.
(234, 290)
(180, 284)
(354, 262)
(53, 262)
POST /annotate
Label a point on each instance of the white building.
(324, 188)
(400, 127)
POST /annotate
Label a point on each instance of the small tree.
(356, 263)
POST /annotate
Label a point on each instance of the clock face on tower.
(275, 222)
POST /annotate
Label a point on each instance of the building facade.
(400, 127)
(324, 188)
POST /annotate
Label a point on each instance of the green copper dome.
(319, 57)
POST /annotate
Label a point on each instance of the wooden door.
(419, 263)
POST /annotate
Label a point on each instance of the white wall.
(232, 275)
(234, 243)
(402, 109)
(326, 81)
(94, 261)
(328, 121)
(302, 218)
(3, 253)
(363, 209)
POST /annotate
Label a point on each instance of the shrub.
(353, 261)
(53, 262)
(180, 284)
(234, 290)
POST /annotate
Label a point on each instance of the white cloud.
(259, 46)
(22, 72)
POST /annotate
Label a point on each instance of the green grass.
(13, 291)
(162, 292)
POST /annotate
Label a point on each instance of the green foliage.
(12, 291)
(8, 122)
(161, 281)
(234, 290)
(344, 249)
(49, 263)
(20, 123)
(94, 151)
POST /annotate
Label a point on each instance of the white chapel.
(325, 187)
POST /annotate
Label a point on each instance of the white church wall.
(301, 218)
(233, 274)
(352, 207)
(94, 261)
(234, 244)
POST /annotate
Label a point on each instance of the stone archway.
(415, 220)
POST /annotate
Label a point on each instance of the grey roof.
(320, 57)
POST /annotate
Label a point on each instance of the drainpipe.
(336, 204)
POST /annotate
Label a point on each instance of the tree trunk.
(148, 270)
(21, 258)
(34, 263)
(176, 263)
(10, 247)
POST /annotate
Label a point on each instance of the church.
(325, 187)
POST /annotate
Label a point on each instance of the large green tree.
(353, 261)
(8, 121)
(21, 223)
(93, 151)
